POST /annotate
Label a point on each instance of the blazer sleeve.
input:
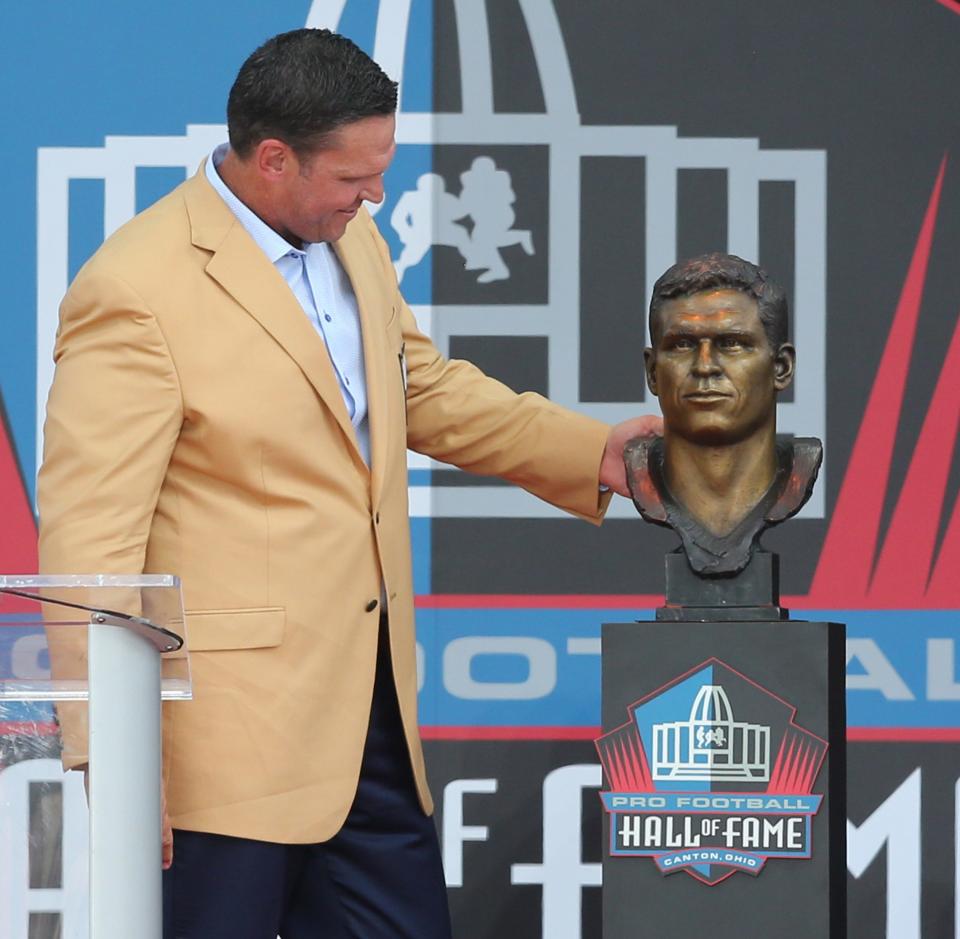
(457, 414)
(113, 417)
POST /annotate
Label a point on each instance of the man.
(719, 357)
(238, 379)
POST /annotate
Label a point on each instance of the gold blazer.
(195, 426)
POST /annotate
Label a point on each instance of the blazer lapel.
(242, 269)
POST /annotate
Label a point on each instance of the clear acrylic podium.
(84, 664)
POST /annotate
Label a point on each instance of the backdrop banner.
(554, 157)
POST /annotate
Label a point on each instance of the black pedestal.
(724, 780)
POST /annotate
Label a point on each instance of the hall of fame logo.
(698, 788)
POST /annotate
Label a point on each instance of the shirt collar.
(274, 246)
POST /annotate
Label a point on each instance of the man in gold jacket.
(202, 422)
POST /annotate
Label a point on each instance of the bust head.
(718, 358)
(719, 353)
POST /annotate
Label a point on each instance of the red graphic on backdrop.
(854, 569)
(18, 528)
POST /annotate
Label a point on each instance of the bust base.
(752, 594)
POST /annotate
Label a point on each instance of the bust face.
(713, 368)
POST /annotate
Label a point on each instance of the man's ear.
(273, 157)
(650, 367)
(784, 365)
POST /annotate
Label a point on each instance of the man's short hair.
(300, 87)
(719, 271)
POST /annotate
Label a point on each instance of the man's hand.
(612, 472)
(166, 832)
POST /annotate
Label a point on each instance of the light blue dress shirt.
(323, 290)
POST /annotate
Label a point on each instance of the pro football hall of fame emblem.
(710, 775)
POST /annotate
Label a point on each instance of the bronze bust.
(720, 355)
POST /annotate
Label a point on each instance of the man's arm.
(461, 416)
(113, 416)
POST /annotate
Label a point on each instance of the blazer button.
(372, 605)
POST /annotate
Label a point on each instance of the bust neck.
(719, 485)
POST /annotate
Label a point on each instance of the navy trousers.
(379, 877)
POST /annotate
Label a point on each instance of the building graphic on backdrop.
(470, 205)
